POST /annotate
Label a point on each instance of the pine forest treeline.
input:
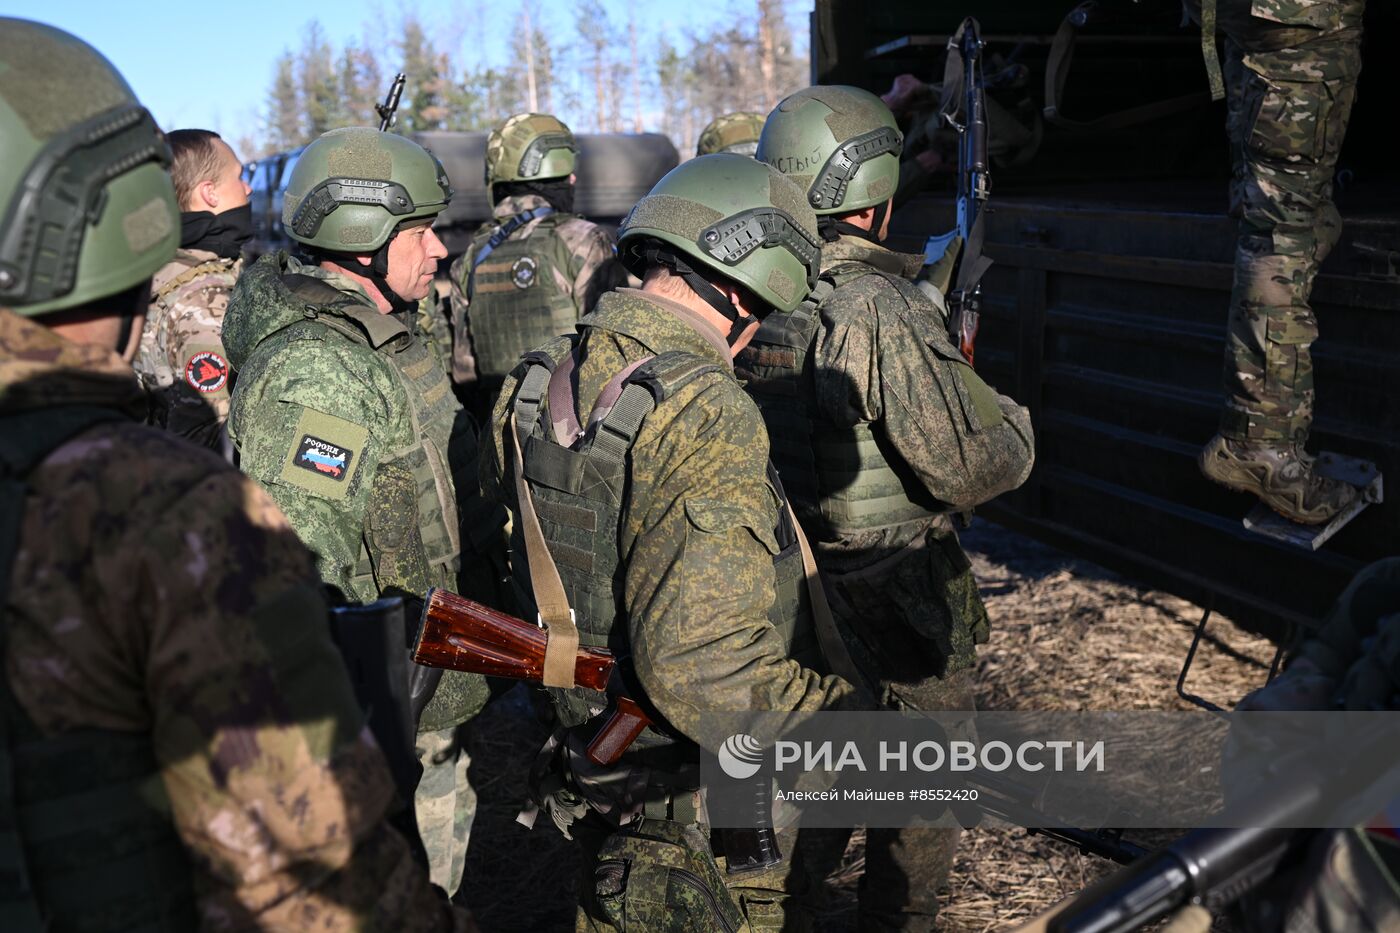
(600, 74)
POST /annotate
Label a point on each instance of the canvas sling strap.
(552, 603)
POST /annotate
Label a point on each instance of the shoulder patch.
(207, 371)
(522, 272)
(326, 454)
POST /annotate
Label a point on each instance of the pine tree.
(317, 84)
(283, 119)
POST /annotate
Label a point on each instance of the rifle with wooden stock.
(462, 635)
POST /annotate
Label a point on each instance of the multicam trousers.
(1291, 69)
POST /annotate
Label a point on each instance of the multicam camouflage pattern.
(348, 421)
(508, 143)
(158, 591)
(592, 269)
(733, 132)
(181, 359)
(1291, 69)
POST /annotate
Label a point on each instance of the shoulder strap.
(189, 275)
(502, 234)
(647, 386)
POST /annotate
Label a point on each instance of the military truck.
(615, 170)
(1105, 310)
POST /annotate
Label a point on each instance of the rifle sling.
(561, 648)
(833, 646)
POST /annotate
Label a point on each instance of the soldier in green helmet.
(734, 132)
(880, 431)
(180, 745)
(536, 267)
(647, 521)
(345, 415)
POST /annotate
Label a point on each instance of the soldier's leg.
(1287, 117)
(906, 868)
(1291, 88)
(440, 806)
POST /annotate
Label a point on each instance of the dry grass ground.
(1066, 635)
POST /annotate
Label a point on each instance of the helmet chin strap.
(377, 272)
(739, 320)
(832, 228)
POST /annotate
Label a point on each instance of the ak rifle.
(390, 108)
(969, 118)
(459, 634)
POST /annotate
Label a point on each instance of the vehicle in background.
(268, 178)
(615, 170)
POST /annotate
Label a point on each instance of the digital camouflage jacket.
(900, 431)
(344, 415)
(697, 529)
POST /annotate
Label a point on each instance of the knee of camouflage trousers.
(444, 804)
(905, 869)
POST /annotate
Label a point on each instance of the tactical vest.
(578, 483)
(432, 409)
(86, 838)
(515, 301)
(843, 479)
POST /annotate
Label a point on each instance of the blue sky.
(196, 63)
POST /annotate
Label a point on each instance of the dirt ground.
(1066, 635)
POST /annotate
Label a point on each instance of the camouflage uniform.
(696, 584)
(346, 418)
(563, 261)
(1291, 68)
(880, 430)
(166, 661)
(880, 366)
(734, 132)
(181, 359)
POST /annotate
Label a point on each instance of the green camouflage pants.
(444, 804)
(905, 867)
(660, 876)
(1290, 72)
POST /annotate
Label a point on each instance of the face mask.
(222, 234)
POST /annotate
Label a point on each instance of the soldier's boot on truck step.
(1281, 475)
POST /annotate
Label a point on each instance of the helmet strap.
(377, 272)
(832, 227)
(739, 320)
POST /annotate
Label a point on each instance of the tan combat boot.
(1281, 475)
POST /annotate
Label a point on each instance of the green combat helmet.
(732, 215)
(353, 189)
(87, 209)
(841, 145)
(530, 147)
(734, 132)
